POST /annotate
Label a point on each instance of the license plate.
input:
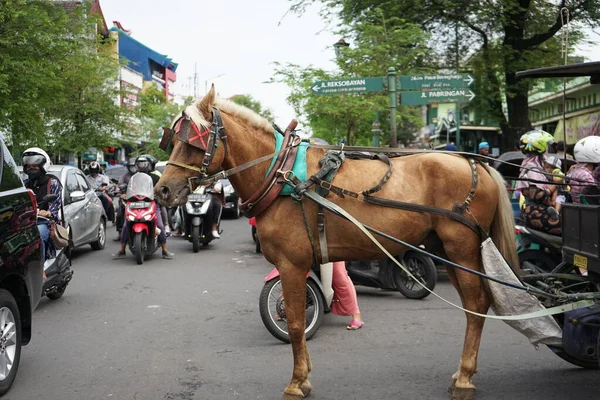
(139, 204)
(580, 261)
(196, 197)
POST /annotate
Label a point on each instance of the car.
(21, 267)
(232, 200)
(115, 172)
(83, 209)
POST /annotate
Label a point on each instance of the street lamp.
(206, 82)
(339, 45)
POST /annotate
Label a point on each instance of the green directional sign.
(350, 85)
(439, 81)
(436, 96)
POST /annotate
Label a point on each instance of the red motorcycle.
(140, 214)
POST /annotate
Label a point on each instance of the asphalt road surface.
(189, 328)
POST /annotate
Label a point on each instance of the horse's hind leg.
(465, 251)
(293, 281)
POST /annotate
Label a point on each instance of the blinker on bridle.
(207, 140)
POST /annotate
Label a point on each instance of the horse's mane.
(230, 108)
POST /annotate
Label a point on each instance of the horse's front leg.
(293, 281)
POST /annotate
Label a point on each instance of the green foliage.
(493, 40)
(248, 101)
(379, 43)
(155, 113)
(58, 87)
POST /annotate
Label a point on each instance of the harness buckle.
(286, 175)
(325, 185)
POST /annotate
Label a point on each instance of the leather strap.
(322, 235)
(272, 186)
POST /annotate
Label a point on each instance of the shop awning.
(578, 127)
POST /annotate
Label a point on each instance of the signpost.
(354, 85)
(436, 96)
(414, 90)
(441, 81)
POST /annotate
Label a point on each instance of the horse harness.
(281, 174)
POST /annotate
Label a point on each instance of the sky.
(238, 39)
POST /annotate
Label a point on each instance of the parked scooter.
(197, 218)
(319, 293)
(57, 269)
(538, 251)
(385, 274)
(319, 297)
(140, 214)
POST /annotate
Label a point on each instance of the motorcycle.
(271, 303)
(252, 222)
(57, 269)
(140, 214)
(538, 251)
(197, 218)
(385, 274)
(319, 292)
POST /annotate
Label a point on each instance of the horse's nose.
(165, 192)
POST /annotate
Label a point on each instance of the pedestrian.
(345, 302)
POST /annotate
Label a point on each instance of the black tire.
(139, 251)
(257, 246)
(540, 259)
(101, 242)
(420, 266)
(254, 234)
(195, 239)
(9, 305)
(313, 299)
(58, 294)
(236, 212)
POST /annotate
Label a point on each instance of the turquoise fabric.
(299, 168)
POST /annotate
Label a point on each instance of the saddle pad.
(299, 168)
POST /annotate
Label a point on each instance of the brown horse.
(434, 179)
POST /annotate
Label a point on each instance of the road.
(189, 328)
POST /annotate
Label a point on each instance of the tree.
(378, 44)
(156, 112)
(58, 78)
(506, 35)
(248, 101)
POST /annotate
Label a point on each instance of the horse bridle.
(216, 132)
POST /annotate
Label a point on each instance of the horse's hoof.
(463, 394)
(287, 396)
(306, 388)
(296, 394)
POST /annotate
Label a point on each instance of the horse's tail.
(503, 225)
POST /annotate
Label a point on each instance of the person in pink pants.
(344, 298)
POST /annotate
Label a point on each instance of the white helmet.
(552, 160)
(587, 150)
(35, 155)
(218, 188)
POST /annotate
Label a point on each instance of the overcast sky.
(237, 38)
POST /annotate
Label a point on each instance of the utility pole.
(195, 81)
(191, 92)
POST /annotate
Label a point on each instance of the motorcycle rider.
(216, 207)
(100, 183)
(124, 180)
(587, 155)
(131, 169)
(144, 165)
(34, 162)
(538, 190)
(163, 209)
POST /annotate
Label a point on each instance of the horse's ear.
(208, 101)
